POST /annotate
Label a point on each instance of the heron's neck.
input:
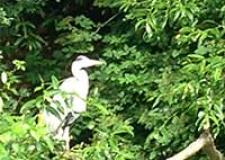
(76, 69)
(82, 82)
(79, 72)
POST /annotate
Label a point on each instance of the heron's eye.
(79, 58)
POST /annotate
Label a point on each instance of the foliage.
(21, 138)
(163, 82)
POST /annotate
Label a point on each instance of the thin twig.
(106, 22)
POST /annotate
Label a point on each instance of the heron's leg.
(66, 137)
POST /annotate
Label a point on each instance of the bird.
(67, 105)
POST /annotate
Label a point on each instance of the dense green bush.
(164, 78)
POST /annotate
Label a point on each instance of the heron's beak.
(95, 62)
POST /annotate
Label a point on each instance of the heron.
(71, 101)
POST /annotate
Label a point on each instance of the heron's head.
(83, 62)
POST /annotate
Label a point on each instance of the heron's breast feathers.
(79, 86)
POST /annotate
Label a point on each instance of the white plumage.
(72, 101)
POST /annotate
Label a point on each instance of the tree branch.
(204, 142)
